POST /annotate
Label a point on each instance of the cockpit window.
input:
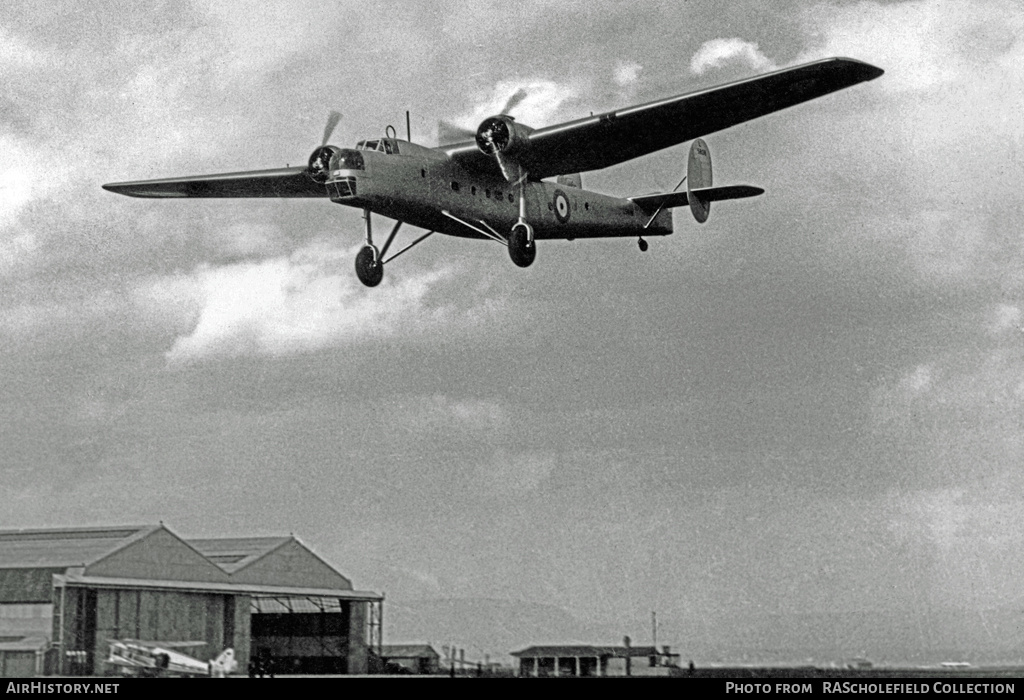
(347, 159)
(382, 145)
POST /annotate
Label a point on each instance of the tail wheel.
(521, 246)
(369, 269)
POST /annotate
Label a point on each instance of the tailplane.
(700, 193)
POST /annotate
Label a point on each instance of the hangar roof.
(78, 546)
(265, 591)
(234, 553)
(153, 556)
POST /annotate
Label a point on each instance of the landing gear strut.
(370, 261)
(642, 244)
(521, 246)
(369, 266)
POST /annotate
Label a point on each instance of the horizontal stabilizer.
(668, 200)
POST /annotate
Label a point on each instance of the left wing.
(606, 139)
(281, 182)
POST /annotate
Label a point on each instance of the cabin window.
(487, 193)
(510, 198)
(586, 205)
(455, 186)
(423, 173)
(472, 190)
(551, 207)
(497, 194)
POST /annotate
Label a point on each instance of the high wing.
(281, 182)
(606, 139)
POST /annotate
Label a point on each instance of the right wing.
(614, 137)
(281, 182)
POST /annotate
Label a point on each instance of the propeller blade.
(448, 133)
(333, 117)
(517, 97)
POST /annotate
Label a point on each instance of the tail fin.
(698, 177)
(224, 664)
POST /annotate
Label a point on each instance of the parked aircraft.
(492, 184)
(139, 658)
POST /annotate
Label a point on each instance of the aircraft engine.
(502, 135)
(320, 163)
(506, 140)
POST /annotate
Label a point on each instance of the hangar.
(265, 597)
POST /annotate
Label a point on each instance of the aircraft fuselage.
(418, 184)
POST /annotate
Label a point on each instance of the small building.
(584, 661)
(415, 658)
(22, 656)
(70, 592)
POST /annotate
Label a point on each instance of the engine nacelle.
(502, 135)
(320, 163)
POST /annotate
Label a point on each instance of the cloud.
(924, 44)
(539, 104)
(299, 303)
(720, 52)
(442, 412)
(515, 473)
(626, 74)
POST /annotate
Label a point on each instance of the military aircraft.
(491, 185)
(140, 658)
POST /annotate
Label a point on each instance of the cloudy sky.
(810, 407)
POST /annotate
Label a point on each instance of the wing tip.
(861, 70)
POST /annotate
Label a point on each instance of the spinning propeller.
(448, 133)
(320, 160)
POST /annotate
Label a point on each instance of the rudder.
(698, 176)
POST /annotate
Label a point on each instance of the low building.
(584, 661)
(272, 598)
(415, 658)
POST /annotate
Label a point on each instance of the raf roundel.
(562, 210)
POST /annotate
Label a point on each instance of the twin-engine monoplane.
(496, 183)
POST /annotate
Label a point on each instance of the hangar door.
(301, 635)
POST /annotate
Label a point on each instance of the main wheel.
(368, 268)
(521, 249)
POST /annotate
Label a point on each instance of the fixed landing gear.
(370, 261)
(369, 269)
(642, 245)
(521, 246)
